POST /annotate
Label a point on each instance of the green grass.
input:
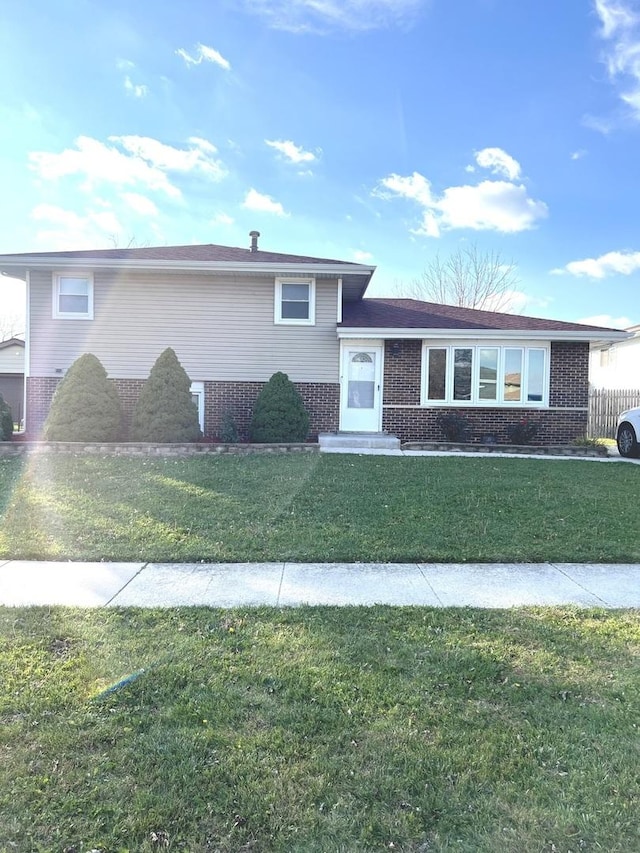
(317, 508)
(320, 729)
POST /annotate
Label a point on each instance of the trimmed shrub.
(165, 411)
(228, 428)
(85, 406)
(6, 420)
(523, 432)
(279, 414)
(455, 428)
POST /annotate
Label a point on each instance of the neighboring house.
(616, 365)
(12, 375)
(235, 316)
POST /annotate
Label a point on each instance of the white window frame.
(292, 321)
(475, 401)
(72, 315)
(197, 390)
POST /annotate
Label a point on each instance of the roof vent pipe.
(254, 240)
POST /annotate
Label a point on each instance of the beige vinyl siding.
(12, 359)
(222, 328)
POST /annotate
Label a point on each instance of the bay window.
(485, 375)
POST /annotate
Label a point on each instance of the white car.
(628, 432)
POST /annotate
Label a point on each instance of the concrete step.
(376, 440)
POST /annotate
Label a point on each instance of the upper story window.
(485, 375)
(295, 301)
(73, 296)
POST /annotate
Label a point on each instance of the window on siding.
(485, 375)
(295, 301)
(72, 296)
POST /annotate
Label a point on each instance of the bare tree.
(11, 326)
(468, 278)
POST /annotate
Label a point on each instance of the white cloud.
(607, 320)
(488, 206)
(263, 203)
(611, 263)
(323, 15)
(498, 162)
(137, 161)
(361, 257)
(290, 151)
(222, 219)
(204, 54)
(138, 91)
(579, 154)
(414, 186)
(197, 158)
(140, 204)
(66, 230)
(621, 33)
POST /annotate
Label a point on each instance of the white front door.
(360, 395)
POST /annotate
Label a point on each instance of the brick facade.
(560, 424)
(322, 401)
(565, 420)
(569, 384)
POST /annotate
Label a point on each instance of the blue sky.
(381, 131)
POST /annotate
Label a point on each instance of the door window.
(362, 380)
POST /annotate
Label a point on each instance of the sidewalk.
(24, 583)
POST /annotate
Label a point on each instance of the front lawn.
(318, 508)
(319, 729)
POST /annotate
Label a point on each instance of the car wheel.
(627, 442)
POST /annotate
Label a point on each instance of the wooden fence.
(604, 407)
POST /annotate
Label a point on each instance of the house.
(12, 375)
(616, 365)
(235, 316)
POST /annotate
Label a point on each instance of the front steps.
(332, 442)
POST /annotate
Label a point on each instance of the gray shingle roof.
(209, 252)
(413, 314)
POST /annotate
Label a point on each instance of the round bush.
(85, 406)
(279, 414)
(165, 411)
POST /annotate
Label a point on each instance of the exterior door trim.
(347, 345)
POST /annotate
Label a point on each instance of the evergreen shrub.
(165, 411)
(228, 428)
(6, 420)
(85, 406)
(279, 414)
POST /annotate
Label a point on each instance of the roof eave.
(466, 334)
(24, 263)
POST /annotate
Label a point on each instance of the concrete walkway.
(292, 584)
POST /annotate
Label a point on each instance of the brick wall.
(39, 394)
(402, 372)
(322, 401)
(569, 387)
(569, 384)
(421, 424)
